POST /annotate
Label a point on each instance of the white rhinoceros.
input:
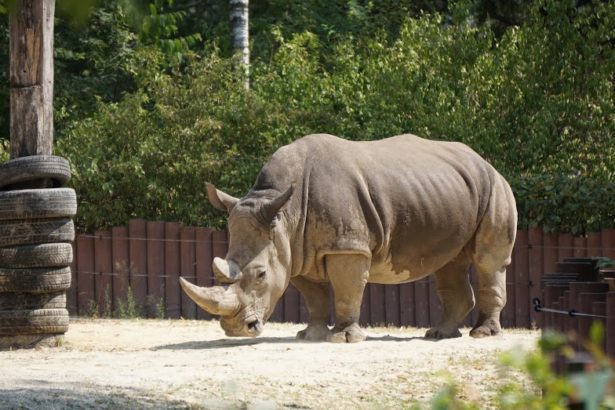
(327, 210)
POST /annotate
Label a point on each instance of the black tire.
(36, 280)
(14, 233)
(28, 301)
(38, 203)
(33, 168)
(46, 255)
(33, 321)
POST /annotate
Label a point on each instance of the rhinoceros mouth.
(244, 324)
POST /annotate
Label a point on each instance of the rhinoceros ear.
(219, 199)
(270, 209)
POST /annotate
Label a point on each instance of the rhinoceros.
(325, 210)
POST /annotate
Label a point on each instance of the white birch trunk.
(240, 38)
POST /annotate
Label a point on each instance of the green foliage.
(159, 25)
(537, 102)
(145, 124)
(447, 398)
(127, 307)
(552, 391)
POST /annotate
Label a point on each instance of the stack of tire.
(36, 231)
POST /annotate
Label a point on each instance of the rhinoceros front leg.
(348, 275)
(316, 296)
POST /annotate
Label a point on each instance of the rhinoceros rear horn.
(270, 209)
(219, 199)
(216, 300)
(226, 271)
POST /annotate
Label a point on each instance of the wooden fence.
(149, 257)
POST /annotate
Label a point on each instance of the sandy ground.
(191, 364)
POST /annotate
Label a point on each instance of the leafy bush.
(541, 387)
(538, 103)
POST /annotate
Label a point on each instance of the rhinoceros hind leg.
(486, 326)
(348, 275)
(350, 334)
(492, 249)
(456, 297)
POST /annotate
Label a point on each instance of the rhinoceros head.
(256, 269)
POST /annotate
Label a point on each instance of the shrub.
(537, 103)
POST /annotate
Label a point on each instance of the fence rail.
(148, 257)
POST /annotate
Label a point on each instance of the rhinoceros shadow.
(226, 343)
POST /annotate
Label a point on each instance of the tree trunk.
(240, 37)
(31, 77)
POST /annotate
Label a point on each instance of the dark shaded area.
(230, 342)
(43, 396)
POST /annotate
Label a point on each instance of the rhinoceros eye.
(261, 275)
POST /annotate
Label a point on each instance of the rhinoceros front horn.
(216, 300)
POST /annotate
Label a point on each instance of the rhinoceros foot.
(349, 334)
(489, 327)
(442, 333)
(314, 333)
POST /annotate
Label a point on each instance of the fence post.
(138, 261)
(155, 267)
(171, 268)
(103, 264)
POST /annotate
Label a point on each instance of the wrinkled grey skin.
(326, 210)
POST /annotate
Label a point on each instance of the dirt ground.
(191, 364)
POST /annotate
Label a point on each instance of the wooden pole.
(31, 77)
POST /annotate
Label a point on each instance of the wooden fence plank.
(155, 268)
(391, 305)
(536, 264)
(138, 261)
(219, 243)
(376, 300)
(291, 305)
(121, 265)
(365, 317)
(407, 304)
(304, 315)
(172, 268)
(607, 240)
(71, 293)
(421, 297)
(86, 292)
(579, 244)
(435, 310)
(519, 317)
(187, 266)
(550, 257)
(278, 311)
(565, 246)
(103, 266)
(594, 245)
(204, 273)
(508, 313)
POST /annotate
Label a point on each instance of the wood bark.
(240, 38)
(31, 77)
